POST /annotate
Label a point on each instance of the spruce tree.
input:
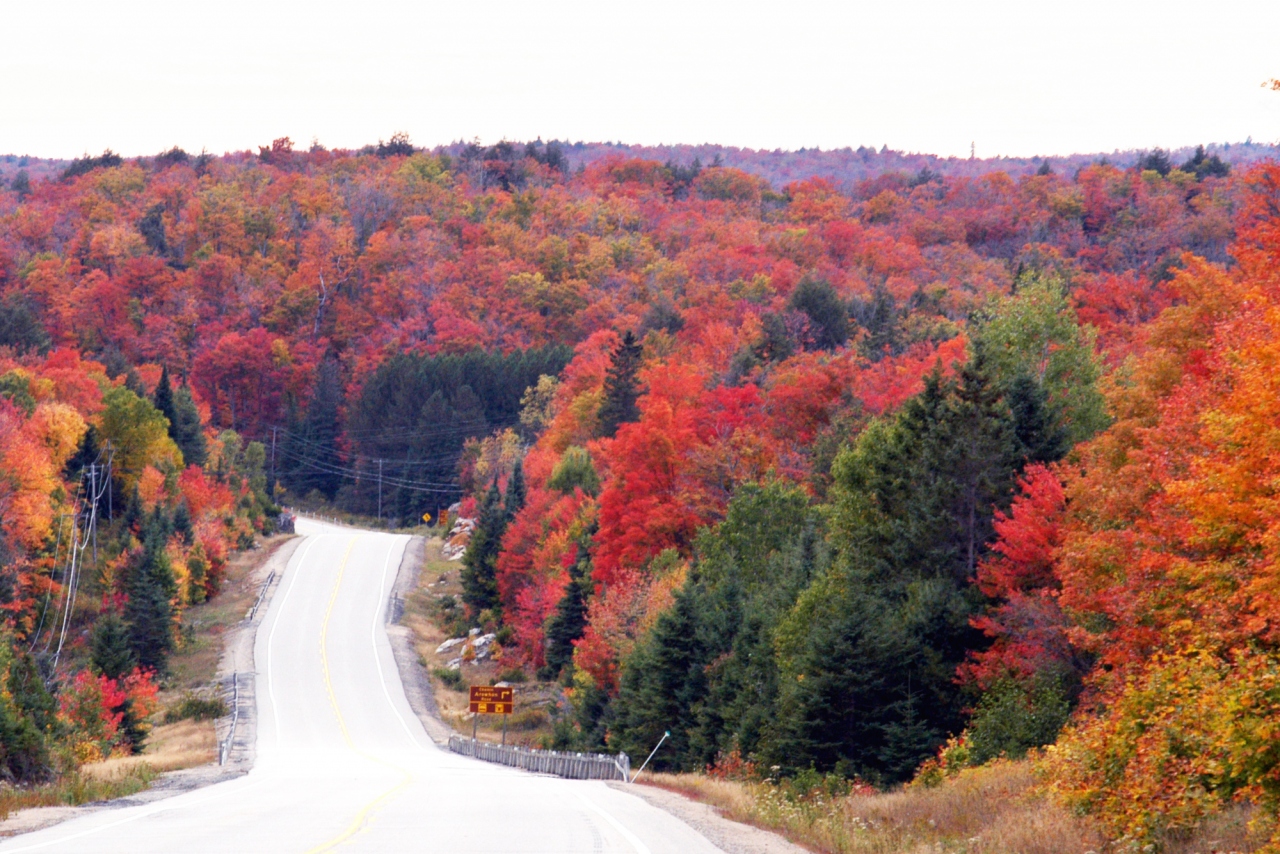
(186, 429)
(110, 652)
(313, 444)
(163, 400)
(480, 562)
(621, 386)
(516, 492)
(662, 680)
(570, 618)
(182, 522)
(868, 653)
(112, 656)
(151, 587)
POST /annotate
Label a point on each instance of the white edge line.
(378, 611)
(632, 839)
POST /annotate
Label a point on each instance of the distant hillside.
(846, 166)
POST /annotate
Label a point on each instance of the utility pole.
(111, 516)
(379, 492)
(93, 517)
(273, 462)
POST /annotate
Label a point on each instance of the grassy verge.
(989, 810)
(995, 809)
(431, 612)
(78, 788)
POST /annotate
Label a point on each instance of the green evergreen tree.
(570, 618)
(20, 326)
(480, 562)
(182, 522)
(110, 651)
(151, 587)
(1039, 434)
(516, 492)
(112, 655)
(163, 400)
(186, 429)
(621, 386)
(706, 671)
(867, 655)
(662, 680)
(312, 447)
(828, 314)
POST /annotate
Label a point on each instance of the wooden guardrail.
(577, 766)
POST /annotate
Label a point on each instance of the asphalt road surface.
(343, 764)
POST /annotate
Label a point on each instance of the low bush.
(452, 679)
(195, 707)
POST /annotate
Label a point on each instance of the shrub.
(195, 707)
(452, 679)
(1014, 717)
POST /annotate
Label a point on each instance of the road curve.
(343, 764)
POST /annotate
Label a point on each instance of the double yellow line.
(362, 817)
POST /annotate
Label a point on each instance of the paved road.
(344, 765)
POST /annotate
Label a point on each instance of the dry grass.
(75, 789)
(995, 809)
(170, 747)
(990, 810)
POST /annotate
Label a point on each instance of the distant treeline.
(407, 426)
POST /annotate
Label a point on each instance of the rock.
(455, 544)
(473, 633)
(455, 664)
(449, 644)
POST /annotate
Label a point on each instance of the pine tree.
(621, 386)
(480, 562)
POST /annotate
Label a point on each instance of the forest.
(860, 473)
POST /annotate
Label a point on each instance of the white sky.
(1021, 77)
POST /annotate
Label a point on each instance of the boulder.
(449, 644)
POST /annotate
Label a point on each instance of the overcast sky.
(1015, 78)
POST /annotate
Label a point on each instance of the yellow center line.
(362, 817)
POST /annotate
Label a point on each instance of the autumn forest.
(885, 470)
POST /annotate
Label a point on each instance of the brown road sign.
(486, 700)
